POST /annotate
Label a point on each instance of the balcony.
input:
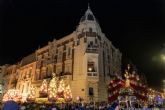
(95, 74)
(92, 76)
(66, 76)
(92, 49)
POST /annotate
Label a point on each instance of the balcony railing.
(92, 74)
(92, 50)
(66, 77)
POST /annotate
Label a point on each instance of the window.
(78, 41)
(64, 47)
(90, 29)
(91, 43)
(49, 71)
(95, 40)
(85, 39)
(30, 72)
(91, 67)
(59, 56)
(90, 17)
(68, 68)
(57, 51)
(55, 58)
(113, 51)
(69, 51)
(90, 92)
(109, 59)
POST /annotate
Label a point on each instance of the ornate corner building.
(84, 59)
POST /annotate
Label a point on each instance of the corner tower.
(88, 23)
(95, 60)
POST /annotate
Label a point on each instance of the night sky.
(136, 27)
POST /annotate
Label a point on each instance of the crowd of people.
(11, 105)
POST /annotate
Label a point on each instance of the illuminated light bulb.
(90, 69)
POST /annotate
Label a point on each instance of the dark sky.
(136, 27)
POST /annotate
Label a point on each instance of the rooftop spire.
(88, 6)
(88, 15)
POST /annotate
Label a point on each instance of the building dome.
(88, 23)
(88, 16)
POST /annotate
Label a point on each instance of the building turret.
(88, 23)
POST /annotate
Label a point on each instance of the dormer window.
(90, 17)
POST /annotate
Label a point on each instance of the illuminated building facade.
(26, 74)
(1, 81)
(84, 59)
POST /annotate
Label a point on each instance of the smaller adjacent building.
(10, 77)
(26, 74)
(2, 80)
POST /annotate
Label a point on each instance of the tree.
(61, 89)
(53, 87)
(12, 94)
(68, 94)
(44, 89)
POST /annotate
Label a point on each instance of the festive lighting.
(12, 94)
(68, 94)
(31, 96)
(61, 87)
(44, 89)
(130, 86)
(52, 91)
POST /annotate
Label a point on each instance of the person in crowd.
(23, 106)
(114, 106)
(10, 105)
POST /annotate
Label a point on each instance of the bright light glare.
(163, 57)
